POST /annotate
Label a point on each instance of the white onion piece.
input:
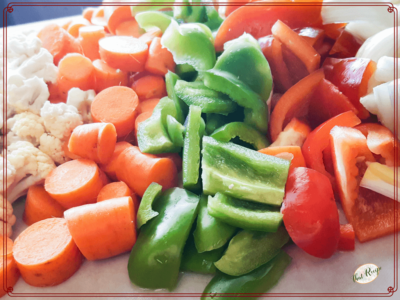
(385, 68)
(364, 29)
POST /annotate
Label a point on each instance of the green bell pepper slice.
(244, 214)
(210, 233)
(175, 131)
(186, 72)
(249, 250)
(190, 44)
(243, 131)
(210, 101)
(145, 212)
(192, 148)
(153, 19)
(137, 9)
(259, 280)
(243, 173)
(156, 256)
(181, 108)
(215, 121)
(213, 18)
(181, 12)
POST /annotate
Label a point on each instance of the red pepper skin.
(347, 241)
(345, 46)
(310, 213)
(333, 30)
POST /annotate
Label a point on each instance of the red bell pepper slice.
(294, 134)
(351, 76)
(297, 159)
(318, 140)
(313, 36)
(258, 20)
(345, 46)
(297, 69)
(231, 8)
(347, 240)
(333, 30)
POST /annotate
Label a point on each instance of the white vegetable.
(385, 69)
(8, 215)
(22, 45)
(60, 119)
(53, 147)
(25, 127)
(82, 100)
(27, 94)
(364, 29)
(9, 176)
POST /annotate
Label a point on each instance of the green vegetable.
(186, 72)
(137, 9)
(197, 13)
(243, 173)
(153, 19)
(244, 214)
(190, 44)
(210, 232)
(260, 280)
(181, 108)
(156, 257)
(145, 212)
(192, 148)
(213, 18)
(250, 249)
(175, 131)
(181, 12)
(243, 131)
(210, 101)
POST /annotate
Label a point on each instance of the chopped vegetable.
(116, 190)
(294, 134)
(75, 25)
(149, 20)
(181, 107)
(89, 37)
(107, 77)
(380, 44)
(147, 106)
(120, 14)
(8, 265)
(111, 167)
(160, 60)
(145, 212)
(347, 238)
(295, 151)
(149, 86)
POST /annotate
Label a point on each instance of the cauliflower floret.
(9, 218)
(82, 100)
(27, 95)
(10, 175)
(20, 44)
(31, 165)
(53, 147)
(25, 127)
(60, 119)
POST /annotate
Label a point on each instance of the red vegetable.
(346, 45)
(347, 238)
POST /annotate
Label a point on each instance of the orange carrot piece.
(98, 17)
(39, 205)
(107, 77)
(94, 141)
(73, 28)
(148, 37)
(89, 37)
(68, 153)
(111, 167)
(298, 158)
(129, 28)
(116, 105)
(103, 177)
(114, 190)
(294, 134)
(75, 70)
(160, 60)
(147, 105)
(88, 13)
(46, 254)
(66, 25)
(55, 96)
(140, 118)
(74, 183)
(103, 229)
(150, 86)
(58, 42)
(9, 270)
(175, 157)
(138, 170)
(119, 15)
(124, 52)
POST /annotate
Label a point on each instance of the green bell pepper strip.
(193, 261)
(186, 72)
(210, 233)
(244, 214)
(137, 9)
(145, 212)
(153, 136)
(181, 12)
(258, 281)
(215, 121)
(249, 250)
(210, 101)
(243, 173)
(181, 108)
(213, 18)
(156, 257)
(243, 131)
(190, 44)
(192, 148)
(175, 131)
(153, 19)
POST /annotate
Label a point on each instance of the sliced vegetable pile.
(200, 139)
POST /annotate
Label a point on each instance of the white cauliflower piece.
(20, 44)
(10, 175)
(31, 165)
(27, 94)
(60, 119)
(82, 100)
(9, 218)
(53, 147)
(25, 127)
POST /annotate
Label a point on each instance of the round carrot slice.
(73, 28)
(74, 183)
(46, 254)
(114, 190)
(150, 86)
(129, 28)
(89, 37)
(111, 167)
(148, 105)
(98, 17)
(8, 266)
(116, 105)
(119, 15)
(88, 13)
(124, 52)
(107, 77)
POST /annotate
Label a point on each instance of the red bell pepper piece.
(318, 140)
(258, 20)
(297, 69)
(297, 159)
(346, 45)
(347, 240)
(294, 134)
(231, 8)
(313, 36)
(333, 30)
(351, 76)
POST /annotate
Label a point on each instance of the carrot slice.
(118, 16)
(138, 170)
(150, 86)
(103, 229)
(46, 254)
(39, 205)
(74, 183)
(147, 105)
(58, 42)
(111, 167)
(160, 60)
(116, 105)
(114, 190)
(66, 25)
(148, 37)
(8, 266)
(124, 52)
(73, 28)
(75, 70)
(107, 77)
(88, 13)
(89, 37)
(129, 28)
(98, 17)
(298, 159)
(175, 157)
(103, 177)
(141, 118)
